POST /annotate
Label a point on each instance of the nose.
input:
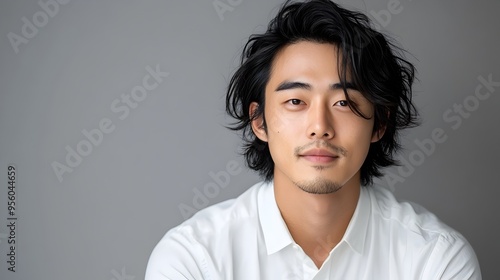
(320, 123)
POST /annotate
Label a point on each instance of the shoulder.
(222, 216)
(406, 215)
(210, 222)
(188, 248)
(439, 249)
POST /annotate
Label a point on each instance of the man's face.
(316, 141)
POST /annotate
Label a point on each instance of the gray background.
(104, 218)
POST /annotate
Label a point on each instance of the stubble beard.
(319, 186)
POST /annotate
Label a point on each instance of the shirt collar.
(357, 230)
(276, 234)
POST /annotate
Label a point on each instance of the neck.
(317, 222)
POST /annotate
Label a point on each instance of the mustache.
(321, 144)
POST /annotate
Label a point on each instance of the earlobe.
(258, 127)
(377, 135)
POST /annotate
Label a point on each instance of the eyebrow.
(286, 85)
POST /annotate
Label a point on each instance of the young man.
(320, 98)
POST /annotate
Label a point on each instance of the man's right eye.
(295, 101)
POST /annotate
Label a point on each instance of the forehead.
(306, 58)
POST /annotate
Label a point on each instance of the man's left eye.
(341, 103)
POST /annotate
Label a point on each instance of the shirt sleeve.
(452, 258)
(177, 257)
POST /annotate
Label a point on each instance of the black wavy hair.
(377, 68)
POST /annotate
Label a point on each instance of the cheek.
(282, 133)
(356, 135)
(283, 124)
(352, 121)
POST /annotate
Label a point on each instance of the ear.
(258, 127)
(377, 135)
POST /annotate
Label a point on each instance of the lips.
(319, 156)
(319, 152)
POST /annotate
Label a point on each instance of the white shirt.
(246, 238)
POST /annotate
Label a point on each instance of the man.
(320, 98)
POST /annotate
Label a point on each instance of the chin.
(319, 186)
